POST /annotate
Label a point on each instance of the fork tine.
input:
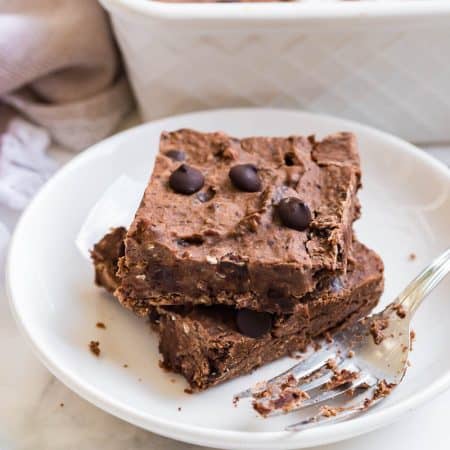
(339, 390)
(327, 376)
(321, 420)
(355, 407)
(329, 395)
(300, 370)
(311, 364)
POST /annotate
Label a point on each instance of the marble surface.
(37, 412)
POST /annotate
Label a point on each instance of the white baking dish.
(383, 63)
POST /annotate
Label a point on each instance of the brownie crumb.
(330, 411)
(163, 366)
(94, 347)
(331, 364)
(350, 354)
(412, 338)
(261, 409)
(259, 388)
(283, 395)
(61, 405)
(376, 330)
(100, 325)
(125, 365)
(383, 389)
(412, 256)
(179, 408)
(400, 310)
(188, 391)
(341, 377)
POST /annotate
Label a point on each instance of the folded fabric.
(24, 165)
(59, 66)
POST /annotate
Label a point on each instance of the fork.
(357, 368)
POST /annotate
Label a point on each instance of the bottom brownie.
(211, 344)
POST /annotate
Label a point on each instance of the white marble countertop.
(32, 418)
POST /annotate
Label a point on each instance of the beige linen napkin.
(59, 67)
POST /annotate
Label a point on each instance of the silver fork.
(373, 351)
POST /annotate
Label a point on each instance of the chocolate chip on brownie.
(186, 180)
(294, 213)
(245, 177)
(252, 323)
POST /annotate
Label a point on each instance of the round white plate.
(406, 209)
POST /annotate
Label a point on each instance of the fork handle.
(424, 283)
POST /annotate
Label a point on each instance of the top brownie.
(253, 223)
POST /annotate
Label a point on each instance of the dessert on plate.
(253, 223)
(242, 250)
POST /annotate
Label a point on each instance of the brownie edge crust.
(202, 236)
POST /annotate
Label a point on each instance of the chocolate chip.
(186, 180)
(176, 155)
(206, 196)
(294, 213)
(289, 159)
(153, 316)
(252, 323)
(245, 177)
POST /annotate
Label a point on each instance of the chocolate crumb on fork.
(377, 327)
(380, 368)
(283, 396)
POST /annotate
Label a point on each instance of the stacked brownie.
(242, 251)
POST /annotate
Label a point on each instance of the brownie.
(105, 256)
(253, 223)
(207, 344)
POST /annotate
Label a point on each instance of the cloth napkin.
(60, 68)
(60, 78)
(24, 165)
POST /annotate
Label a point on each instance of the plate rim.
(197, 434)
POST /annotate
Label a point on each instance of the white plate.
(406, 209)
